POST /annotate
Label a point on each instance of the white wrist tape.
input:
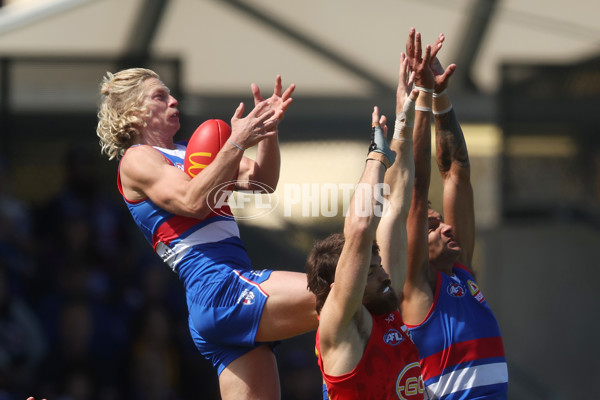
(444, 111)
(440, 94)
(422, 89)
(405, 118)
(400, 128)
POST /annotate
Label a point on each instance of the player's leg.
(252, 376)
(290, 308)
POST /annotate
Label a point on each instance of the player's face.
(379, 297)
(442, 244)
(162, 116)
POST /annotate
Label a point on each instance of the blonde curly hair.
(120, 111)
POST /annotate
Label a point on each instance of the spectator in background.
(154, 372)
(76, 366)
(17, 241)
(22, 344)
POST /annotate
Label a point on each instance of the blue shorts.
(225, 314)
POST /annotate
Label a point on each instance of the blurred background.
(87, 311)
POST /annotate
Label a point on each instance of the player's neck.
(444, 266)
(157, 141)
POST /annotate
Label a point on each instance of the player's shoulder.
(138, 149)
(141, 162)
(141, 154)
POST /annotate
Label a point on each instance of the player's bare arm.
(345, 324)
(391, 232)
(453, 163)
(145, 173)
(418, 288)
(265, 168)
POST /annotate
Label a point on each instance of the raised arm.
(453, 163)
(418, 291)
(265, 167)
(341, 341)
(391, 233)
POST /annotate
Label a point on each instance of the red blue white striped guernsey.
(459, 342)
(173, 237)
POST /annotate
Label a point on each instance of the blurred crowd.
(88, 311)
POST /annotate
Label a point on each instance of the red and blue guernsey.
(459, 342)
(223, 292)
(173, 236)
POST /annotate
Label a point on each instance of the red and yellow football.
(204, 144)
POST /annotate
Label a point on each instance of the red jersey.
(388, 370)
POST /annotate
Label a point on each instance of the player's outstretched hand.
(380, 121)
(441, 76)
(278, 100)
(418, 60)
(256, 126)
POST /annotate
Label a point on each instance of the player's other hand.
(441, 76)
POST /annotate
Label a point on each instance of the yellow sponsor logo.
(475, 292)
(410, 382)
(195, 167)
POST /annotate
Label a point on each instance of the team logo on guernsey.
(257, 272)
(455, 289)
(393, 337)
(246, 298)
(475, 292)
(390, 318)
(409, 384)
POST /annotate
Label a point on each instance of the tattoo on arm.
(450, 142)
